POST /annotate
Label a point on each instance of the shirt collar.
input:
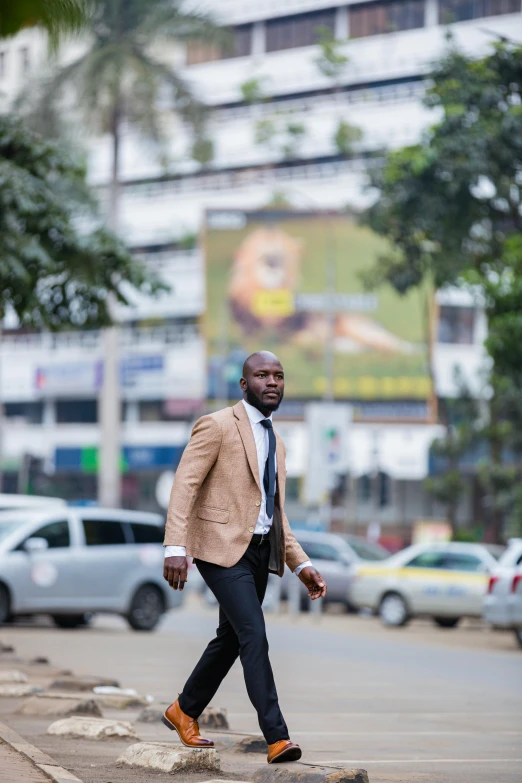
(253, 414)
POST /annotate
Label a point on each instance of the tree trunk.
(109, 478)
(494, 530)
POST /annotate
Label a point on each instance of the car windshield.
(368, 551)
(7, 526)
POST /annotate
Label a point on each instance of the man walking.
(227, 511)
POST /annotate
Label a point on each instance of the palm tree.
(118, 81)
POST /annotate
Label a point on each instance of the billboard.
(291, 282)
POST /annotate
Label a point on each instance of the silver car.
(503, 601)
(333, 555)
(72, 562)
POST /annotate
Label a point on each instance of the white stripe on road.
(334, 762)
(408, 714)
(406, 733)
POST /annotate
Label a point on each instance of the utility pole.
(109, 399)
(109, 414)
(2, 418)
(330, 312)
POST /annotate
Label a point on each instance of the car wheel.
(393, 610)
(350, 608)
(446, 622)
(5, 605)
(518, 635)
(146, 608)
(70, 620)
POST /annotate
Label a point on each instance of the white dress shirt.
(264, 522)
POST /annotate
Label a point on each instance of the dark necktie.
(269, 478)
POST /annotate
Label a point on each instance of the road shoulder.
(40, 761)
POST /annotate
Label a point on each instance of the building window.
(240, 45)
(456, 325)
(76, 411)
(25, 62)
(289, 32)
(26, 412)
(378, 18)
(461, 10)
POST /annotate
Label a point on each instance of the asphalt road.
(418, 704)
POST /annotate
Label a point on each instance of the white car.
(503, 600)
(443, 581)
(72, 562)
(8, 501)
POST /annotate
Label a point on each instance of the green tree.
(452, 208)
(203, 151)
(252, 91)
(460, 417)
(346, 136)
(53, 273)
(331, 61)
(59, 17)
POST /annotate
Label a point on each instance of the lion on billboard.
(265, 277)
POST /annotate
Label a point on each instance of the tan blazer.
(215, 499)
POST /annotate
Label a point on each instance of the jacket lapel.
(247, 436)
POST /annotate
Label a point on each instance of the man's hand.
(313, 580)
(175, 571)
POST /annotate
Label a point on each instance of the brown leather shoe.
(284, 750)
(187, 728)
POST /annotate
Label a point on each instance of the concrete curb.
(41, 760)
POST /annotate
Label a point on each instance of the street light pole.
(329, 313)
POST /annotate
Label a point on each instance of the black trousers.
(239, 591)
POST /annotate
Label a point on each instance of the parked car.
(443, 581)
(333, 555)
(503, 601)
(70, 562)
(14, 501)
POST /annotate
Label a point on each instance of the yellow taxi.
(444, 581)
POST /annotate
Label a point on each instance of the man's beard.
(258, 402)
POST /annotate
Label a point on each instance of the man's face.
(264, 384)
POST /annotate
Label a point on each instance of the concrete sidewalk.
(21, 762)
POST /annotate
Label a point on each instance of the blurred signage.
(183, 408)
(70, 378)
(431, 532)
(133, 458)
(328, 427)
(134, 368)
(266, 287)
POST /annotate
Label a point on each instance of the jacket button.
(250, 529)
(258, 502)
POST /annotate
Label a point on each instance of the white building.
(390, 45)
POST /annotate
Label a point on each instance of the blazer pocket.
(213, 514)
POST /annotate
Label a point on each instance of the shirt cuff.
(303, 565)
(175, 551)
